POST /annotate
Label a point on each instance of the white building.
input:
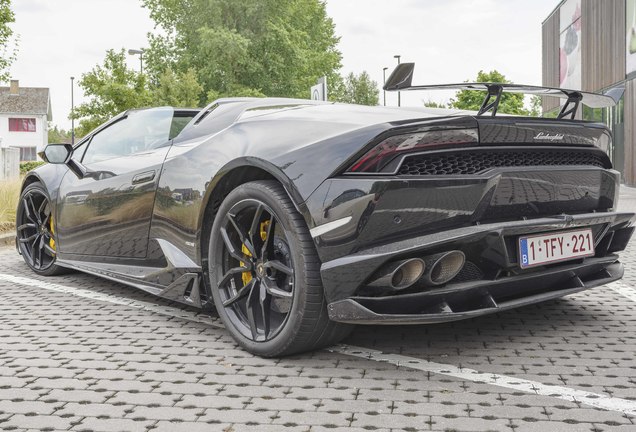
(24, 116)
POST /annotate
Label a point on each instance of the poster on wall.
(570, 45)
(631, 37)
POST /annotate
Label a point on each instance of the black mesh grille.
(475, 162)
(469, 272)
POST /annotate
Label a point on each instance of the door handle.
(144, 177)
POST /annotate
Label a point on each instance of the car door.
(108, 212)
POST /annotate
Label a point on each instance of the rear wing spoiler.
(401, 80)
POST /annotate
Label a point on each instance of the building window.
(27, 153)
(21, 125)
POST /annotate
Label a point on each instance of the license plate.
(554, 247)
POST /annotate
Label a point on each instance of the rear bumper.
(491, 247)
(476, 299)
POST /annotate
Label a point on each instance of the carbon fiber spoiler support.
(401, 80)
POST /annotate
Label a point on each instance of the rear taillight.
(379, 156)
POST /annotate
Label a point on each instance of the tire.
(265, 281)
(34, 232)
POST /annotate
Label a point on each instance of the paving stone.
(543, 426)
(38, 422)
(508, 411)
(123, 385)
(289, 404)
(314, 418)
(86, 396)
(61, 383)
(167, 426)
(26, 407)
(590, 416)
(330, 428)
(108, 374)
(219, 402)
(101, 410)
(165, 413)
(21, 393)
(48, 372)
(144, 398)
(188, 388)
(260, 391)
(112, 425)
(469, 424)
(238, 416)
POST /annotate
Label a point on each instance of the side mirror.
(57, 153)
(61, 154)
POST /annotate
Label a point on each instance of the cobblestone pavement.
(80, 353)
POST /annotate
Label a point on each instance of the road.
(80, 353)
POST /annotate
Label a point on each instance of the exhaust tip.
(399, 275)
(407, 273)
(443, 267)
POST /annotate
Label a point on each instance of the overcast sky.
(449, 40)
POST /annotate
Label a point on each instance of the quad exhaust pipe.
(400, 275)
(433, 270)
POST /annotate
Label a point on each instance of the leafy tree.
(8, 49)
(360, 89)
(58, 136)
(432, 104)
(510, 103)
(536, 108)
(251, 47)
(177, 89)
(112, 88)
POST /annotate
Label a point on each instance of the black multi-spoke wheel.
(35, 232)
(257, 287)
(264, 274)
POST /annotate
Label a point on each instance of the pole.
(399, 99)
(72, 113)
(384, 82)
(140, 53)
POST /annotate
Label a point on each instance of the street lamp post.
(384, 82)
(140, 53)
(72, 113)
(397, 56)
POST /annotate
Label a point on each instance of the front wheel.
(35, 231)
(265, 274)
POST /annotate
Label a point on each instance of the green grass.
(9, 195)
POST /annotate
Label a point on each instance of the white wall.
(38, 139)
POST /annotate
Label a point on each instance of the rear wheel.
(35, 232)
(264, 274)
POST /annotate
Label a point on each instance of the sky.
(449, 41)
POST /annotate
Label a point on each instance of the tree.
(8, 47)
(536, 107)
(253, 47)
(432, 104)
(360, 89)
(112, 88)
(59, 136)
(510, 103)
(177, 89)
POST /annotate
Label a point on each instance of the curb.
(7, 239)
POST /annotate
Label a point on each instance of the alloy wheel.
(35, 230)
(257, 286)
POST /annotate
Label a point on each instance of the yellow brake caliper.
(247, 276)
(51, 241)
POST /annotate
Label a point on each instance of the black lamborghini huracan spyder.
(295, 219)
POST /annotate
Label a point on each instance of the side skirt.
(178, 281)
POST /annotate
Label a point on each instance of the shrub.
(25, 167)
